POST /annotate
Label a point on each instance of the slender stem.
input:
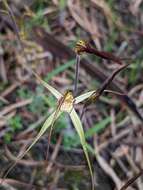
(83, 110)
(76, 74)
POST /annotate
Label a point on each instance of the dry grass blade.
(54, 155)
(14, 106)
(3, 72)
(106, 9)
(102, 4)
(80, 15)
(128, 101)
(106, 167)
(18, 184)
(9, 89)
(134, 6)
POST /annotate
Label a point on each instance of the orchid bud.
(80, 47)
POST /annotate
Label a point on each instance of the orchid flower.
(65, 103)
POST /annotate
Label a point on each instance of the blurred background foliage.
(111, 129)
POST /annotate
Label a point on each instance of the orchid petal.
(83, 97)
(55, 92)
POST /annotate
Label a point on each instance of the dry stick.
(132, 180)
(124, 97)
(76, 74)
(128, 101)
(54, 155)
(14, 106)
(21, 184)
(105, 166)
(4, 178)
(99, 91)
(32, 163)
(3, 72)
(3, 100)
(10, 89)
(118, 137)
(28, 163)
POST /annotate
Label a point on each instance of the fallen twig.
(14, 106)
(131, 181)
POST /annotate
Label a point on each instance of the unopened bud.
(80, 47)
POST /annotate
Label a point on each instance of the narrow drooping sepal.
(79, 128)
(83, 97)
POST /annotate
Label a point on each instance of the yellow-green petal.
(55, 92)
(83, 97)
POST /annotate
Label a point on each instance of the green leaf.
(83, 96)
(62, 4)
(15, 122)
(97, 127)
(7, 137)
(59, 69)
(78, 126)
